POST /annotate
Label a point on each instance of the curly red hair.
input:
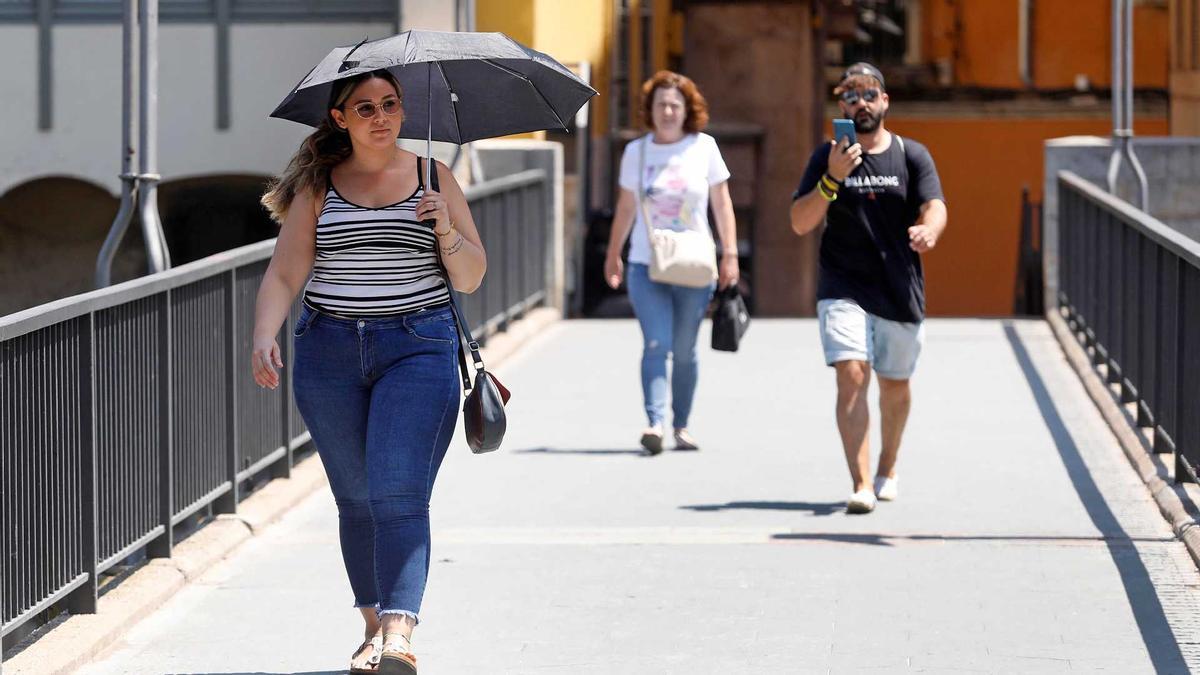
(697, 107)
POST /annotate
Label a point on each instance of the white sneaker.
(862, 501)
(887, 489)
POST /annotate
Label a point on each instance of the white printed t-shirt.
(676, 181)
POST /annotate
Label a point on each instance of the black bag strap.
(464, 329)
(908, 166)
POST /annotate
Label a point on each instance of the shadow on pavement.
(816, 508)
(892, 539)
(1156, 632)
(263, 672)
(579, 451)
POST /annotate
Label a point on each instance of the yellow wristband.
(826, 193)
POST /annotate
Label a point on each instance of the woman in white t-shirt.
(681, 172)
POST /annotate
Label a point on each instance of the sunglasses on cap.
(852, 96)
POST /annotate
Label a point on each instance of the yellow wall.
(571, 31)
(514, 18)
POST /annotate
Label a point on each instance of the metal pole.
(1118, 109)
(157, 255)
(1122, 98)
(120, 224)
(1127, 81)
(45, 21)
(429, 127)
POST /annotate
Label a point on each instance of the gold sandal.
(397, 657)
(372, 667)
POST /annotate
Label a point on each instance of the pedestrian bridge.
(1024, 539)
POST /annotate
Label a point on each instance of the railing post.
(227, 503)
(83, 599)
(1167, 363)
(165, 544)
(1187, 438)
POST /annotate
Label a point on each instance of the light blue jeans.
(670, 318)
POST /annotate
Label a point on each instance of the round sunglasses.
(368, 110)
(852, 96)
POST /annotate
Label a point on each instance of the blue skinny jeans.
(380, 398)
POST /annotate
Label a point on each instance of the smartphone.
(844, 128)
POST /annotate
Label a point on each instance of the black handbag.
(729, 321)
(484, 420)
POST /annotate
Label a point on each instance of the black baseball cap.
(862, 68)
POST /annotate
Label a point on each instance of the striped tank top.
(373, 262)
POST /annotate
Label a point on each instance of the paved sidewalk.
(1023, 542)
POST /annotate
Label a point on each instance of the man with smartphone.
(881, 198)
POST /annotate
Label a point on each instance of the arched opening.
(51, 230)
(209, 214)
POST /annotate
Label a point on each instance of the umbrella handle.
(432, 174)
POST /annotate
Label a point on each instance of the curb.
(1172, 498)
(80, 639)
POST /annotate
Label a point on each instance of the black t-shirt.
(865, 254)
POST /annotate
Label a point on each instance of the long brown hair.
(697, 107)
(322, 150)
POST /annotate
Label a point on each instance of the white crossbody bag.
(679, 258)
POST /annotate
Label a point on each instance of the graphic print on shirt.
(870, 185)
(667, 199)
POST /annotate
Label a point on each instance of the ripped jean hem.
(402, 612)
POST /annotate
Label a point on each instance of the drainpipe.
(1025, 38)
(157, 254)
(139, 191)
(1122, 99)
(128, 179)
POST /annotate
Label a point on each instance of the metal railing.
(125, 411)
(1129, 287)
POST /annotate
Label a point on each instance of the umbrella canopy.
(480, 85)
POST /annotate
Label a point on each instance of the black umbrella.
(458, 87)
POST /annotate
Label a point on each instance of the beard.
(866, 122)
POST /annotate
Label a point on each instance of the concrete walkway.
(1023, 542)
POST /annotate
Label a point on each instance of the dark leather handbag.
(484, 420)
(730, 320)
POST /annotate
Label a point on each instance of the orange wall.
(983, 164)
(1070, 37)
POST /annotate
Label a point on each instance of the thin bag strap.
(464, 329)
(642, 190)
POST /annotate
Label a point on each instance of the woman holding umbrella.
(376, 344)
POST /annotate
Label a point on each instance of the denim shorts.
(850, 333)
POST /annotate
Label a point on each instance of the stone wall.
(753, 63)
